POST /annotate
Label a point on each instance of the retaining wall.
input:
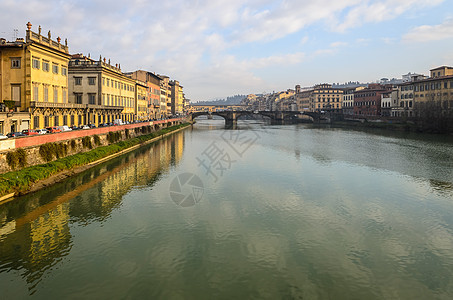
(73, 139)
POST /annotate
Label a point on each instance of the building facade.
(102, 90)
(367, 102)
(34, 82)
(433, 97)
(325, 97)
(153, 95)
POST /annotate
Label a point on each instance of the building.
(367, 102)
(303, 99)
(433, 96)
(177, 98)
(325, 97)
(348, 101)
(390, 101)
(141, 107)
(165, 96)
(101, 89)
(153, 95)
(34, 82)
(404, 107)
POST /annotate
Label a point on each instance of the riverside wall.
(73, 140)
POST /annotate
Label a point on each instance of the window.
(15, 63)
(72, 120)
(46, 121)
(65, 120)
(45, 66)
(56, 121)
(108, 82)
(35, 92)
(91, 80)
(55, 94)
(64, 71)
(35, 63)
(78, 80)
(64, 94)
(103, 81)
(79, 119)
(46, 93)
(91, 98)
(35, 122)
(55, 69)
(78, 99)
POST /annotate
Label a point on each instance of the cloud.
(214, 48)
(427, 33)
(375, 11)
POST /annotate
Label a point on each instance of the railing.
(56, 105)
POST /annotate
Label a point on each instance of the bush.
(127, 133)
(50, 150)
(114, 136)
(47, 151)
(73, 144)
(16, 158)
(97, 139)
(86, 142)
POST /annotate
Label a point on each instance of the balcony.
(36, 104)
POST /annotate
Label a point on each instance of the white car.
(2, 136)
(85, 127)
(41, 131)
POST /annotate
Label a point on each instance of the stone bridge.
(277, 117)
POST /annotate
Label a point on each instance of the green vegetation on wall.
(16, 158)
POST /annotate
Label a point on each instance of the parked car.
(41, 131)
(103, 125)
(92, 125)
(118, 122)
(73, 127)
(2, 136)
(85, 127)
(29, 132)
(64, 128)
(15, 134)
(53, 129)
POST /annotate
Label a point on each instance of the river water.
(258, 212)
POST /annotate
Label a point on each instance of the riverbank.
(38, 177)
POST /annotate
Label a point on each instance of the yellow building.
(325, 97)
(102, 90)
(177, 98)
(433, 96)
(141, 108)
(34, 79)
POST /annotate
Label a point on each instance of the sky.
(220, 48)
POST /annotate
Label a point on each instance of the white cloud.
(375, 11)
(427, 33)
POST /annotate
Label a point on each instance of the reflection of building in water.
(36, 241)
(34, 231)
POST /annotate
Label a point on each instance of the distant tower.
(297, 89)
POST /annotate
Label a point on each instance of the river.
(258, 212)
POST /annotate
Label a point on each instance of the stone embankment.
(60, 161)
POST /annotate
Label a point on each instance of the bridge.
(277, 117)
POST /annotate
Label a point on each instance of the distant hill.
(232, 100)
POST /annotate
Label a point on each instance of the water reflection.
(305, 213)
(34, 230)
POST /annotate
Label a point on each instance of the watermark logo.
(186, 189)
